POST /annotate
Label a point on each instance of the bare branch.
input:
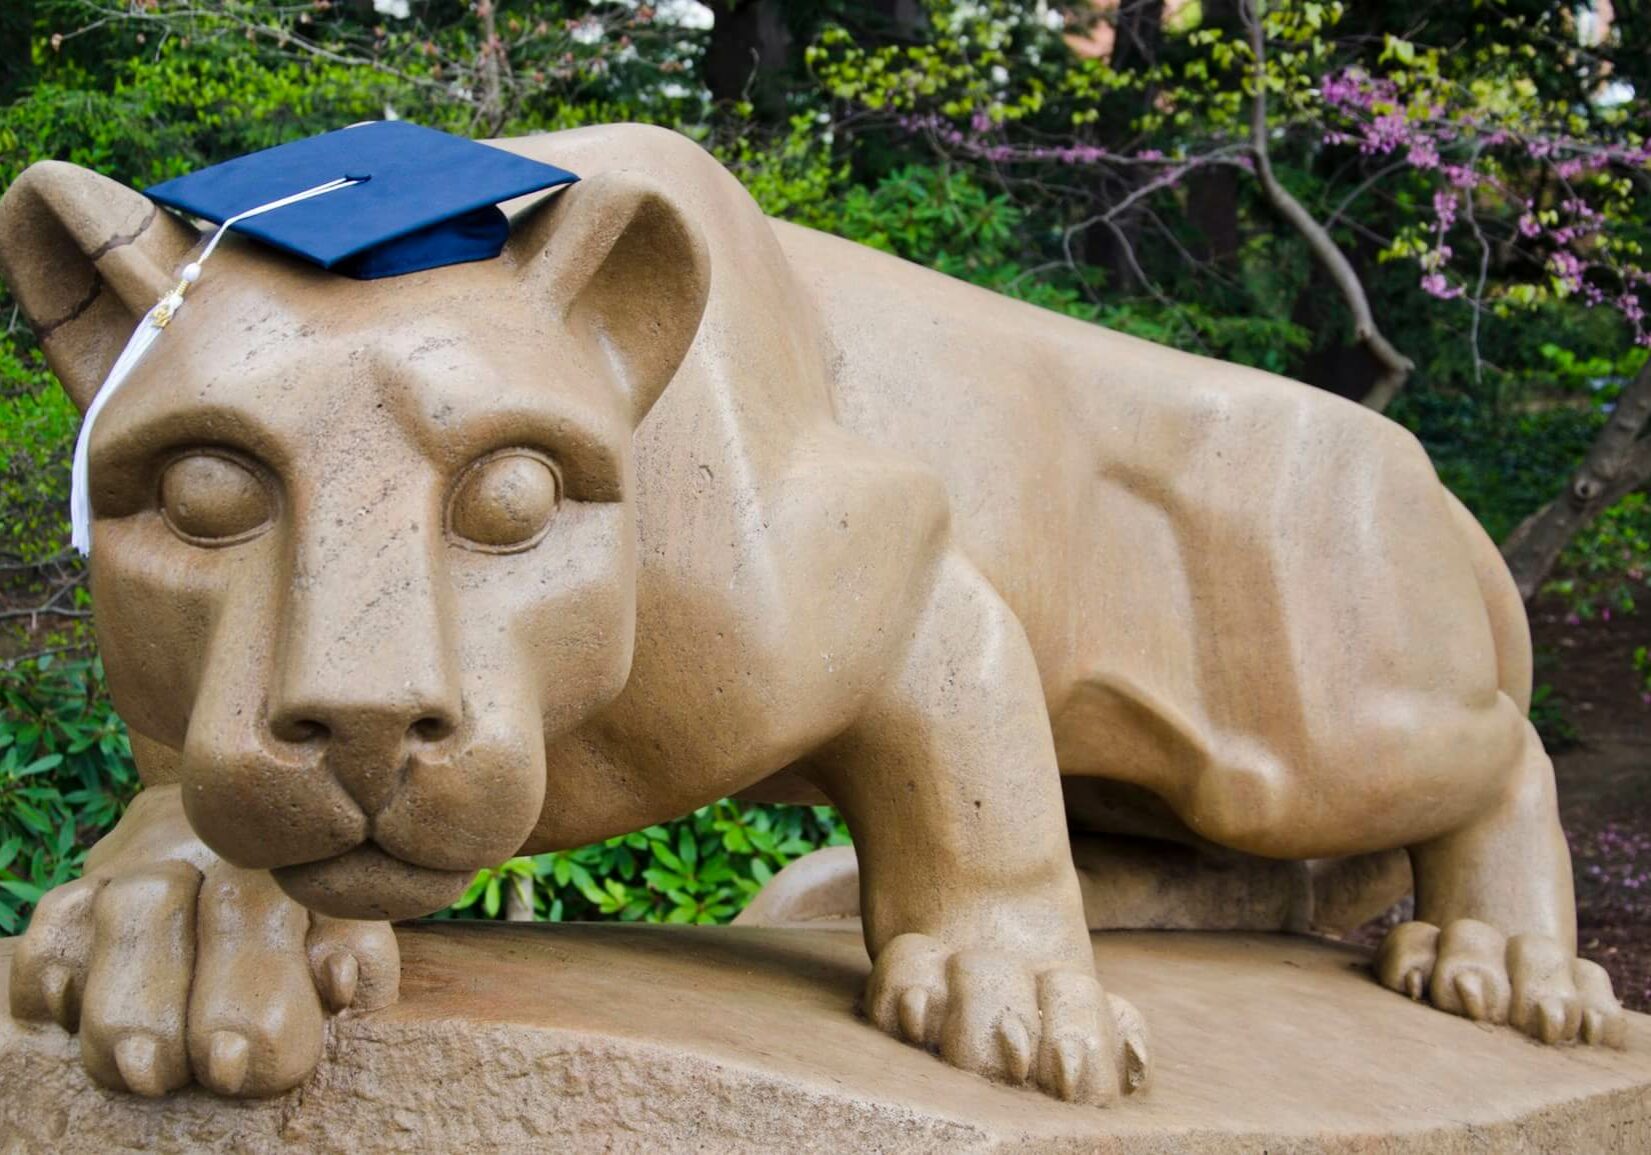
(1479, 287)
(1396, 367)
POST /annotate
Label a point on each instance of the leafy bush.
(66, 775)
(699, 869)
(37, 431)
(1606, 565)
(1503, 467)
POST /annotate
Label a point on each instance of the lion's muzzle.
(368, 883)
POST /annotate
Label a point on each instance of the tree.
(1617, 464)
(1478, 168)
(16, 37)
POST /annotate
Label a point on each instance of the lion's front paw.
(1470, 968)
(1010, 1019)
(171, 971)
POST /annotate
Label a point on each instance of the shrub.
(66, 775)
(701, 869)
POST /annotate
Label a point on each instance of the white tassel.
(155, 320)
(80, 498)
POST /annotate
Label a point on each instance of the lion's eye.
(210, 499)
(505, 501)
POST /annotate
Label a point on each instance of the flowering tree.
(1504, 197)
(1504, 164)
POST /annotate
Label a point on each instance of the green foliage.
(1604, 567)
(701, 869)
(37, 425)
(1504, 467)
(1548, 716)
(66, 775)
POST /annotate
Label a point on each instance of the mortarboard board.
(374, 200)
(422, 198)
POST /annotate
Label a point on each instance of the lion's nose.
(366, 746)
(366, 672)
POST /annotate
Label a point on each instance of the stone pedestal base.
(604, 1038)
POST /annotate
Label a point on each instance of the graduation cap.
(375, 200)
(415, 198)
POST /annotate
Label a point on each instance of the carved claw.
(1016, 1046)
(340, 974)
(227, 1062)
(137, 1059)
(54, 985)
(914, 1015)
(1068, 1068)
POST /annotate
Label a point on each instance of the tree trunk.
(749, 53)
(1212, 206)
(1618, 463)
(16, 30)
(1138, 34)
(491, 111)
(1395, 366)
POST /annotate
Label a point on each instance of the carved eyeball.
(505, 501)
(211, 499)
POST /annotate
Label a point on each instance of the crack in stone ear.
(45, 329)
(121, 240)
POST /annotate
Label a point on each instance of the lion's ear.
(86, 258)
(626, 271)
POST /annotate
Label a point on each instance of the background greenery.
(863, 119)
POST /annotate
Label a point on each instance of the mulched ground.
(1605, 786)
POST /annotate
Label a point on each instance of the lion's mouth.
(370, 883)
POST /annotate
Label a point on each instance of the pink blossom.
(1461, 175)
(1435, 285)
(1445, 205)
(1567, 267)
(1423, 154)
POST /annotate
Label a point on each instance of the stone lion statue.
(397, 579)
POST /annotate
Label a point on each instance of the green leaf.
(27, 891)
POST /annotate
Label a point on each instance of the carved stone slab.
(612, 1038)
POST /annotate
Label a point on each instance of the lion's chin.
(367, 883)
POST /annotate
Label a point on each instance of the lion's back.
(1221, 571)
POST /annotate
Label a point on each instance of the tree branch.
(1618, 462)
(1396, 367)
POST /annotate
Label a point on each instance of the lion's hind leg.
(1495, 931)
(1494, 938)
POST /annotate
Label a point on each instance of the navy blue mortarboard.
(375, 200)
(424, 198)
